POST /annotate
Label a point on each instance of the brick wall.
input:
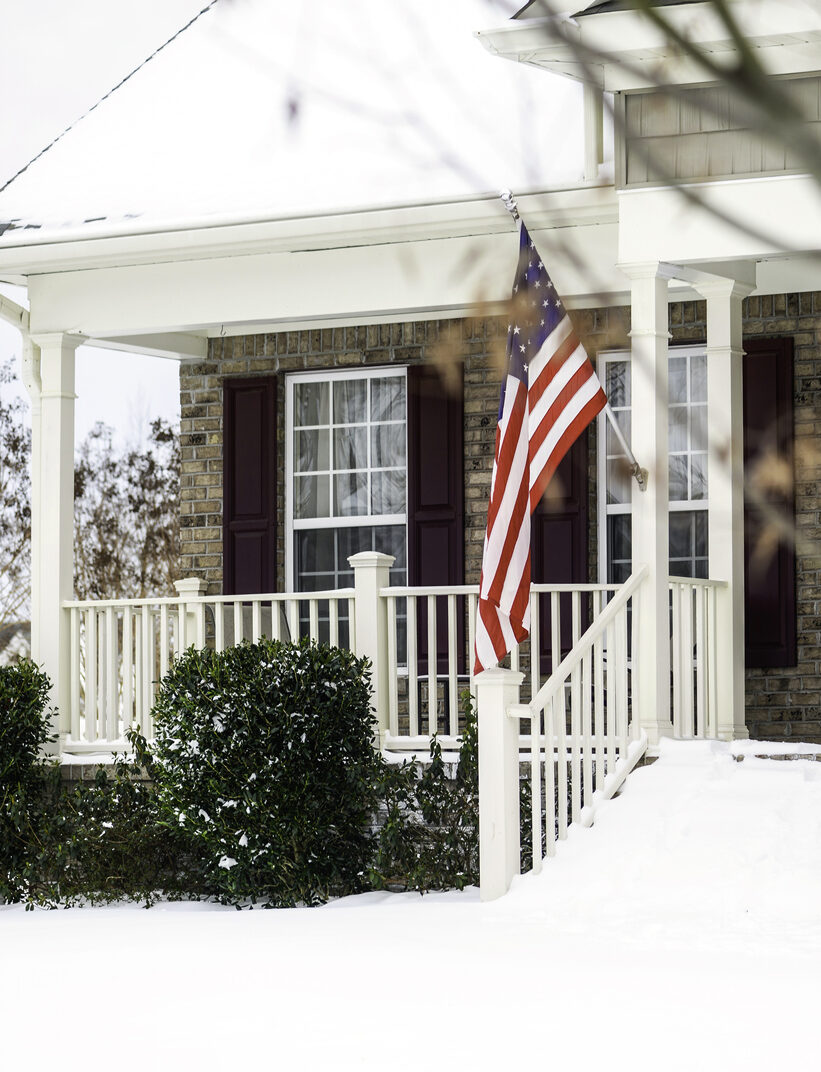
(479, 341)
(780, 702)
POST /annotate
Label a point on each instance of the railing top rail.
(697, 582)
(432, 590)
(595, 630)
(159, 601)
(473, 589)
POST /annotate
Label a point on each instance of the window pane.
(351, 494)
(311, 450)
(388, 445)
(388, 399)
(617, 378)
(678, 428)
(352, 541)
(618, 481)
(317, 582)
(350, 448)
(698, 378)
(698, 426)
(678, 379)
(315, 551)
(681, 567)
(678, 478)
(388, 492)
(310, 403)
(681, 535)
(623, 421)
(700, 533)
(311, 497)
(621, 537)
(698, 473)
(350, 401)
(619, 528)
(390, 540)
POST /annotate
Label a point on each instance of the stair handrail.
(594, 631)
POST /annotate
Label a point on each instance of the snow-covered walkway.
(682, 932)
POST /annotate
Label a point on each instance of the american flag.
(549, 396)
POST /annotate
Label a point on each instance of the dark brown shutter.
(559, 528)
(249, 548)
(436, 552)
(769, 573)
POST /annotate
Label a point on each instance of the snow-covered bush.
(263, 760)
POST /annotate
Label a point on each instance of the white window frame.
(605, 509)
(293, 525)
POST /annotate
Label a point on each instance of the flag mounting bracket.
(509, 202)
(635, 469)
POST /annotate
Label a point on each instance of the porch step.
(780, 751)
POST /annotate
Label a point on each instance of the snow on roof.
(303, 109)
(535, 9)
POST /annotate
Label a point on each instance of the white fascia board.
(663, 224)
(785, 34)
(28, 253)
(357, 284)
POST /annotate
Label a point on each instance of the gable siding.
(706, 133)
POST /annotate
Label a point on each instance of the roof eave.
(624, 50)
(230, 236)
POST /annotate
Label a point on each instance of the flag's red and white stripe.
(537, 427)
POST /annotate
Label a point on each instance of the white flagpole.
(637, 471)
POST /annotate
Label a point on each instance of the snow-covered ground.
(682, 932)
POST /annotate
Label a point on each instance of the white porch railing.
(420, 641)
(431, 634)
(582, 741)
(693, 632)
(121, 649)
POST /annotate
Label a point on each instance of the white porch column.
(725, 491)
(650, 395)
(53, 512)
(30, 374)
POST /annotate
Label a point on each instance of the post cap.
(190, 586)
(371, 558)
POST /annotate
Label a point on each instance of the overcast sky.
(59, 59)
(399, 96)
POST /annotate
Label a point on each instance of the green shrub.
(25, 728)
(429, 836)
(263, 761)
(94, 842)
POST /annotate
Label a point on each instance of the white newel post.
(725, 491)
(649, 385)
(371, 575)
(190, 588)
(52, 523)
(496, 691)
